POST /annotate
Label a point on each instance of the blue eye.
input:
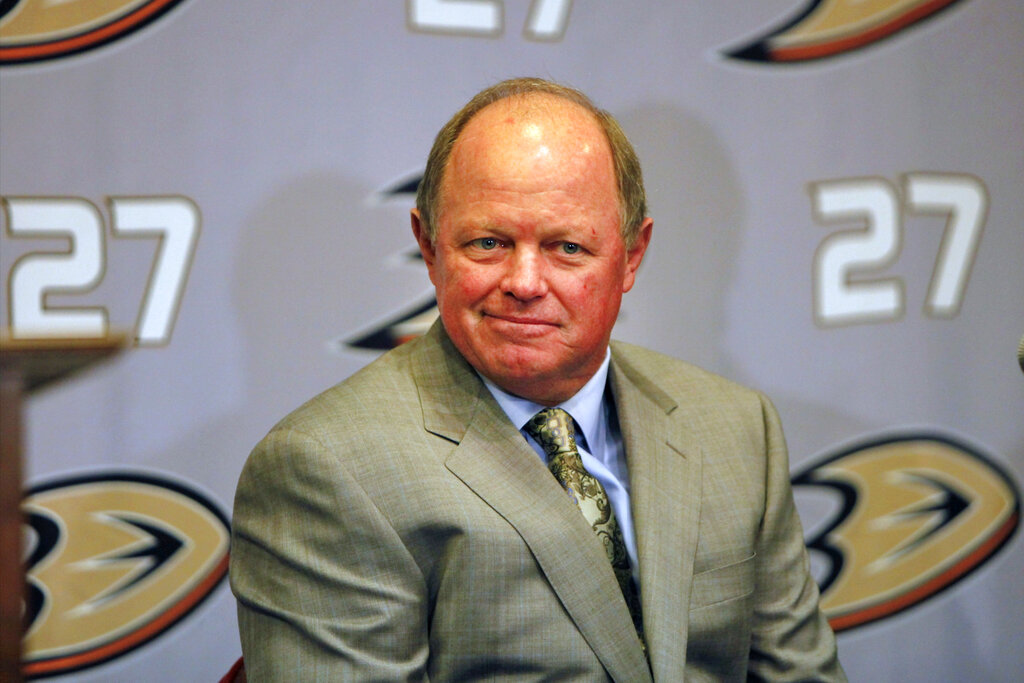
(570, 248)
(487, 243)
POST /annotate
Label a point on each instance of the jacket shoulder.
(676, 378)
(384, 386)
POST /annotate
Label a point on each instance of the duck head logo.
(918, 513)
(115, 560)
(35, 30)
(828, 28)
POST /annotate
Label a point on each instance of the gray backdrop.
(799, 209)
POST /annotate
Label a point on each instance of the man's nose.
(525, 279)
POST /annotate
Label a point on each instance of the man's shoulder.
(677, 378)
(384, 386)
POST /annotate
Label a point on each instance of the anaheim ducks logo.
(412, 322)
(826, 28)
(115, 560)
(395, 331)
(34, 30)
(918, 514)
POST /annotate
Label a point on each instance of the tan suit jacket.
(399, 527)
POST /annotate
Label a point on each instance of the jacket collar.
(664, 461)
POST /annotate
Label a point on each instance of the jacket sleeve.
(326, 589)
(790, 639)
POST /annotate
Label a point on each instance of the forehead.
(537, 139)
(527, 113)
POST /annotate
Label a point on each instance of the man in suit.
(432, 518)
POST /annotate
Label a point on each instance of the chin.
(523, 375)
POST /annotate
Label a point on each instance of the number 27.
(837, 299)
(547, 19)
(173, 220)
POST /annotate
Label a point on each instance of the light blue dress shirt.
(598, 439)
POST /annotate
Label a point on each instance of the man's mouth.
(521, 322)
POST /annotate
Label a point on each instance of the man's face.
(528, 261)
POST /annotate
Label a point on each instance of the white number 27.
(838, 299)
(547, 19)
(173, 221)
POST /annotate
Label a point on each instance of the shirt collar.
(586, 406)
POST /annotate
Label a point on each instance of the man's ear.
(635, 254)
(419, 231)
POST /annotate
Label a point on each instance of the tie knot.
(553, 430)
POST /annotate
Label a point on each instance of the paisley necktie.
(553, 430)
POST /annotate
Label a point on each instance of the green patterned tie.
(553, 430)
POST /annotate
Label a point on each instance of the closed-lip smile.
(519, 319)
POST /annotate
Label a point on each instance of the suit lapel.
(492, 458)
(664, 471)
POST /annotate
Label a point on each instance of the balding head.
(534, 92)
